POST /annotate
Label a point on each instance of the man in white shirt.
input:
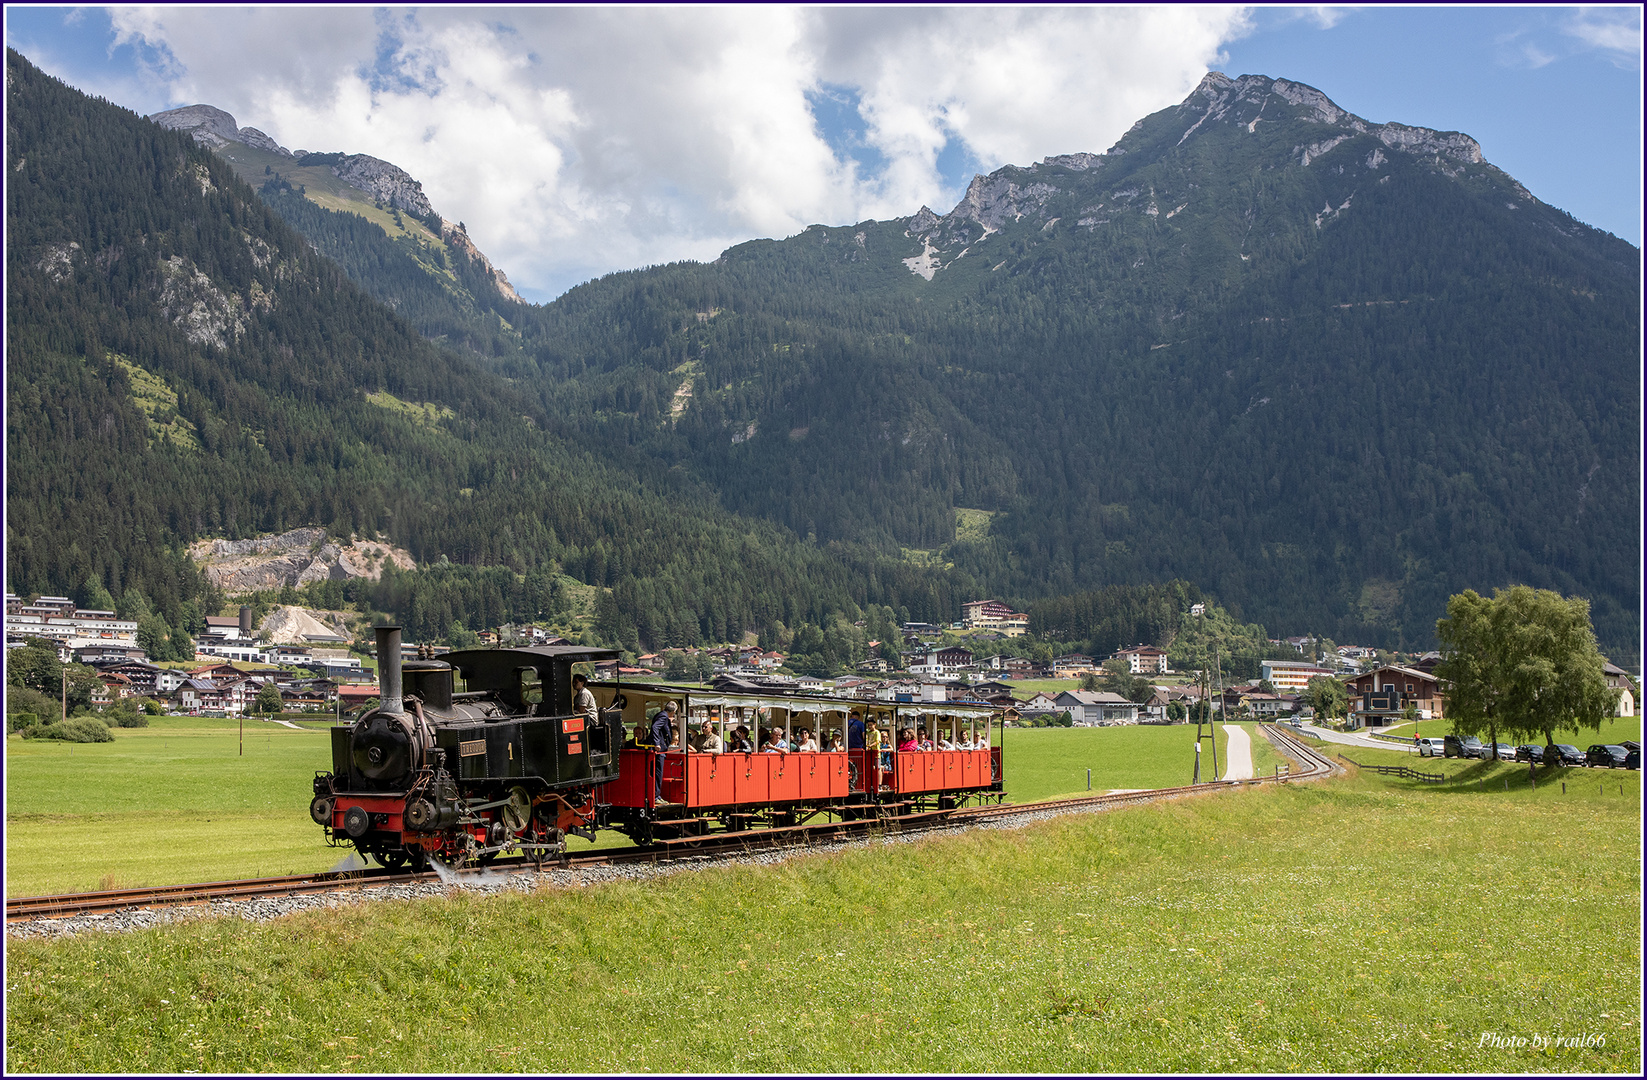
(582, 700)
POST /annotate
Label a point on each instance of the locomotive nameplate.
(472, 748)
(571, 724)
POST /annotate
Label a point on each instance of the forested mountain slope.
(181, 363)
(1329, 370)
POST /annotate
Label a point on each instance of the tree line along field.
(1357, 925)
(177, 802)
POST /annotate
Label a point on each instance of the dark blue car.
(1606, 756)
(1564, 754)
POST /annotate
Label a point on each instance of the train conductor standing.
(663, 736)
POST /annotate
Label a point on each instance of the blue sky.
(575, 142)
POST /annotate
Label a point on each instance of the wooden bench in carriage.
(739, 790)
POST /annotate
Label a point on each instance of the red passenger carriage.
(739, 789)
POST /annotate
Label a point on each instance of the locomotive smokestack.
(388, 669)
(245, 620)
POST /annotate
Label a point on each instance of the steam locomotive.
(483, 754)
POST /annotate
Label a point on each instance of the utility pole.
(65, 693)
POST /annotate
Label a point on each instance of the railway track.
(1315, 766)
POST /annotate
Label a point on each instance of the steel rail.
(1316, 765)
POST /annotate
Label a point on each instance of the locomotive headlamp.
(356, 821)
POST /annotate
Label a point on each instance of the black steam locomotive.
(482, 754)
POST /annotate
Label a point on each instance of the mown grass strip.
(1359, 925)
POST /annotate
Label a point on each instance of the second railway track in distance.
(694, 849)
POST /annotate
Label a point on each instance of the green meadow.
(179, 802)
(1041, 763)
(174, 802)
(1363, 924)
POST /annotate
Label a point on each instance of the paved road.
(1350, 739)
(1239, 749)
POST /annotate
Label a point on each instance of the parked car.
(1431, 748)
(1534, 754)
(1565, 754)
(1606, 755)
(1632, 751)
(1467, 747)
(1506, 752)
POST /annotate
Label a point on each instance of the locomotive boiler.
(467, 757)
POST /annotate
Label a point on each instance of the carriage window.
(531, 686)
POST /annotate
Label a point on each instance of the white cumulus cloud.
(577, 141)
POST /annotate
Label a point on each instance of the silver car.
(1506, 752)
(1430, 748)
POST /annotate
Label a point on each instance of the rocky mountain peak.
(211, 127)
(1245, 101)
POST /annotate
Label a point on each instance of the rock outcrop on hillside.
(291, 625)
(458, 239)
(383, 180)
(293, 558)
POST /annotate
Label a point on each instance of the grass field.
(1043, 762)
(176, 802)
(1362, 925)
(169, 803)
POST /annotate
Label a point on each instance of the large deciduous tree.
(269, 701)
(1327, 697)
(1524, 662)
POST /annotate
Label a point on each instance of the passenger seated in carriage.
(924, 742)
(833, 745)
(638, 740)
(805, 743)
(944, 743)
(906, 741)
(740, 740)
(707, 741)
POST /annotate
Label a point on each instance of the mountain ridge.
(383, 181)
(1330, 379)
(1234, 262)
